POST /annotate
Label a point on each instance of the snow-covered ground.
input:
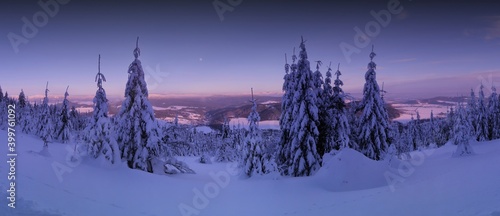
(85, 109)
(243, 123)
(424, 109)
(433, 183)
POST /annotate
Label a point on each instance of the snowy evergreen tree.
(3, 111)
(45, 126)
(449, 124)
(137, 129)
(64, 131)
(462, 133)
(22, 99)
(374, 121)
(341, 127)
(254, 161)
(338, 128)
(24, 116)
(327, 116)
(323, 120)
(411, 134)
(286, 118)
(77, 120)
(494, 115)
(99, 130)
(419, 136)
(481, 117)
(472, 112)
(352, 118)
(304, 158)
(433, 128)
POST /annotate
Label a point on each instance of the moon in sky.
(201, 59)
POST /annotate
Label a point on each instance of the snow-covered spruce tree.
(352, 118)
(64, 131)
(481, 117)
(493, 115)
(22, 99)
(227, 150)
(447, 126)
(374, 121)
(341, 127)
(23, 112)
(286, 118)
(3, 111)
(432, 130)
(327, 117)
(411, 134)
(45, 126)
(323, 120)
(472, 112)
(462, 133)
(419, 133)
(137, 129)
(254, 162)
(304, 158)
(99, 130)
(77, 120)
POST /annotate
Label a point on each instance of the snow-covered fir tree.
(64, 130)
(447, 128)
(327, 117)
(227, 150)
(77, 120)
(254, 161)
(416, 132)
(136, 127)
(45, 126)
(341, 127)
(411, 134)
(323, 120)
(99, 130)
(472, 112)
(304, 158)
(462, 133)
(3, 111)
(494, 115)
(22, 99)
(23, 113)
(286, 118)
(432, 130)
(481, 117)
(374, 127)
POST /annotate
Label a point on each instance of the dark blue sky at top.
(430, 48)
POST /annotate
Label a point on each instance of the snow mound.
(349, 170)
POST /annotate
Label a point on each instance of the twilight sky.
(427, 48)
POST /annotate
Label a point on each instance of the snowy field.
(424, 109)
(243, 123)
(433, 183)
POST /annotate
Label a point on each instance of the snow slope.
(433, 183)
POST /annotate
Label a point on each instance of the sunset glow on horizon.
(423, 49)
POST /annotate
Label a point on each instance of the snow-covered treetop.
(287, 66)
(253, 118)
(99, 77)
(338, 83)
(303, 53)
(46, 98)
(372, 64)
(136, 75)
(329, 73)
(66, 94)
(137, 51)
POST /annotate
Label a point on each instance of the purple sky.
(427, 49)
